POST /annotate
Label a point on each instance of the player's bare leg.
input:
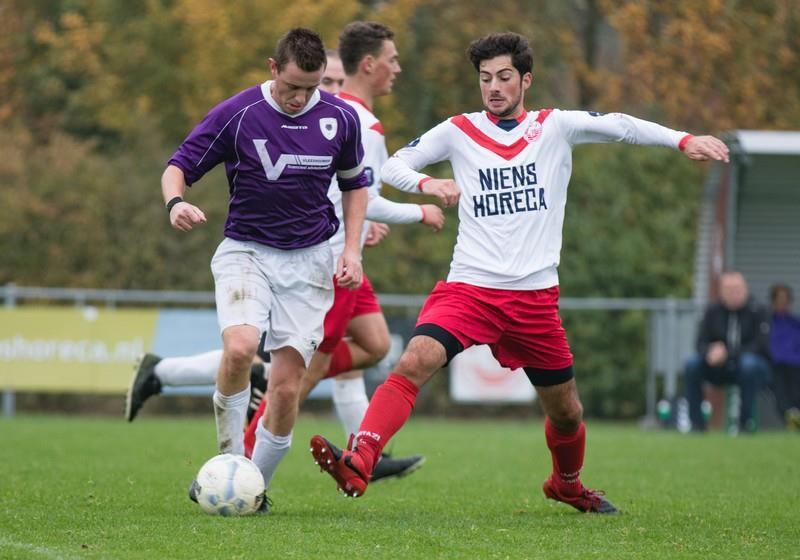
(561, 405)
(274, 432)
(389, 409)
(566, 439)
(232, 396)
(370, 338)
(369, 344)
(317, 371)
(286, 374)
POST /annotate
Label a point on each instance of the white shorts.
(284, 294)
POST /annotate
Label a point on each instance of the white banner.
(475, 376)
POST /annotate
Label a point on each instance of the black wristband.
(172, 202)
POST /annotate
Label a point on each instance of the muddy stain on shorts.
(241, 293)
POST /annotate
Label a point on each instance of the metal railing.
(670, 327)
(11, 294)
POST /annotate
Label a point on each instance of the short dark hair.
(303, 47)
(332, 53)
(778, 288)
(360, 38)
(498, 44)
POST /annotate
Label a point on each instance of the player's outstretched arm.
(581, 127)
(703, 148)
(182, 215)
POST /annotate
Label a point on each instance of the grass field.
(78, 487)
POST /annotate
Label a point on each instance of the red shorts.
(347, 304)
(522, 327)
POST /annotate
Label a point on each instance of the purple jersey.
(784, 335)
(279, 166)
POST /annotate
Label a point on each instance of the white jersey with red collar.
(379, 209)
(514, 186)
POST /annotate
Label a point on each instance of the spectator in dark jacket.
(732, 348)
(784, 342)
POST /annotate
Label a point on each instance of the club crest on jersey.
(533, 132)
(328, 126)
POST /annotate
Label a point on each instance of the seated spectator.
(784, 342)
(732, 348)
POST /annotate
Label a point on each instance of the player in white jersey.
(369, 58)
(511, 171)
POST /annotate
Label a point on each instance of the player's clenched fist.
(445, 189)
(703, 148)
(185, 216)
(432, 216)
(376, 233)
(349, 272)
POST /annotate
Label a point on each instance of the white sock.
(269, 450)
(350, 401)
(200, 369)
(230, 413)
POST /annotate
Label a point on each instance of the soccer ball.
(229, 485)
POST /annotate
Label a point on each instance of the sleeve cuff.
(188, 174)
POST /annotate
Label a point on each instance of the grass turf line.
(79, 487)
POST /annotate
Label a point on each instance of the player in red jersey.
(511, 170)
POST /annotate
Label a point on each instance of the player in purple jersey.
(370, 61)
(152, 372)
(281, 143)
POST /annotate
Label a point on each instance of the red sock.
(388, 410)
(341, 361)
(567, 451)
(250, 433)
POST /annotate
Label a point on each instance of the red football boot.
(345, 467)
(588, 501)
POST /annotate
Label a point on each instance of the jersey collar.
(354, 99)
(265, 91)
(496, 119)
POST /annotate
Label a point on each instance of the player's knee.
(378, 349)
(415, 367)
(567, 416)
(239, 352)
(285, 392)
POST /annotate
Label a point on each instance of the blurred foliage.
(95, 95)
(610, 360)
